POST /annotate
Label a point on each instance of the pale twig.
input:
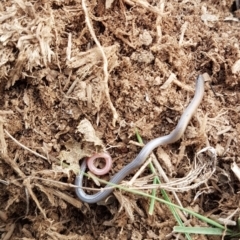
(66, 197)
(105, 62)
(3, 145)
(158, 24)
(24, 147)
(3, 112)
(69, 46)
(183, 30)
(27, 201)
(138, 173)
(149, 7)
(4, 182)
(173, 79)
(183, 86)
(69, 184)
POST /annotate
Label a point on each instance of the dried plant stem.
(58, 184)
(138, 173)
(3, 145)
(145, 4)
(105, 62)
(24, 147)
(10, 231)
(166, 179)
(183, 30)
(4, 182)
(27, 201)
(152, 158)
(26, 182)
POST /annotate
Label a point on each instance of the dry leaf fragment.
(236, 170)
(76, 151)
(166, 159)
(73, 154)
(26, 98)
(227, 221)
(169, 81)
(236, 67)
(207, 17)
(136, 235)
(108, 3)
(11, 12)
(145, 38)
(142, 57)
(88, 132)
(91, 57)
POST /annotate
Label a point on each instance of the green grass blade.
(200, 230)
(156, 180)
(143, 194)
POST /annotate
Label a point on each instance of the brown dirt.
(52, 80)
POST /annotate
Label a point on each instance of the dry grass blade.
(9, 233)
(4, 182)
(3, 145)
(137, 174)
(3, 216)
(105, 63)
(23, 146)
(26, 182)
(50, 192)
(200, 174)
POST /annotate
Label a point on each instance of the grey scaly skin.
(175, 135)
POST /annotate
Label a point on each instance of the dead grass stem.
(105, 62)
